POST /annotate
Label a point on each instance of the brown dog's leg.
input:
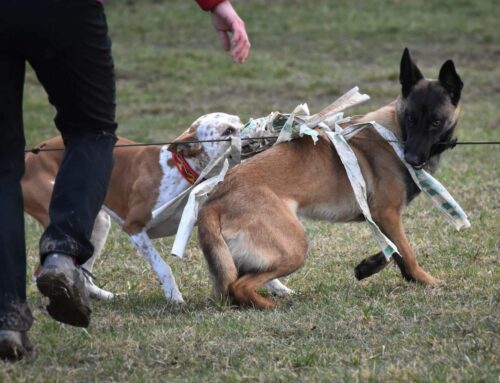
(216, 252)
(370, 265)
(391, 225)
(244, 290)
(244, 250)
(377, 262)
(402, 268)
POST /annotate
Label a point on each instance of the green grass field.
(170, 70)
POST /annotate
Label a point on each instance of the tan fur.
(260, 201)
(132, 198)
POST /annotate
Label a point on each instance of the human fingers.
(240, 43)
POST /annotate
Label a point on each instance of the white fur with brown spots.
(143, 179)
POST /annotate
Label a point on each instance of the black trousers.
(66, 42)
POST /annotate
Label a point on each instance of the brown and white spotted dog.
(143, 179)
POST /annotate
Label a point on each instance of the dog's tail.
(217, 253)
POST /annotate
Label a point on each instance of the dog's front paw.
(370, 265)
(435, 282)
(174, 296)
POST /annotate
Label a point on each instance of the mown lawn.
(170, 71)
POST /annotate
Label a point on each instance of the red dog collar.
(184, 168)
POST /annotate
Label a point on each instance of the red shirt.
(208, 5)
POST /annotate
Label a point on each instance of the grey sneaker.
(64, 284)
(14, 345)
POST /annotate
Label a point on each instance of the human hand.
(231, 31)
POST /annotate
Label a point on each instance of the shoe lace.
(88, 274)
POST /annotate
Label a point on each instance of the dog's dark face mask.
(428, 111)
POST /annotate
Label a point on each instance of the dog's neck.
(385, 116)
(198, 162)
(173, 183)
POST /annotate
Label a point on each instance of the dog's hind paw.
(98, 293)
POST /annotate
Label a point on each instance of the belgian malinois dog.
(249, 228)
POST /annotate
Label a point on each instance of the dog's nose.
(414, 159)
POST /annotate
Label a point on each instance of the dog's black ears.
(451, 81)
(409, 73)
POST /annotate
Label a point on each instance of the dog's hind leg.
(280, 250)
(99, 235)
(248, 249)
(390, 222)
(244, 290)
(217, 254)
(145, 247)
(370, 265)
(275, 287)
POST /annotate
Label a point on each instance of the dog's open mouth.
(246, 149)
(253, 145)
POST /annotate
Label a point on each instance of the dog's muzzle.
(415, 160)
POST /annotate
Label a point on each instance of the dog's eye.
(228, 131)
(436, 124)
(410, 119)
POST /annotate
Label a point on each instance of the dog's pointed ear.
(182, 145)
(409, 73)
(451, 81)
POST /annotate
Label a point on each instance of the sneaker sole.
(66, 303)
(10, 350)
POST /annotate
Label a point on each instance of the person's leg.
(76, 68)
(15, 316)
(78, 75)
